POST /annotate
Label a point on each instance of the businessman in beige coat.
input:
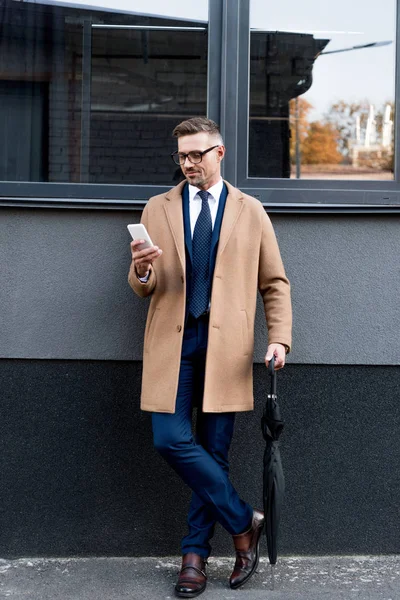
(215, 247)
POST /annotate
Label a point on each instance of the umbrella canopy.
(273, 478)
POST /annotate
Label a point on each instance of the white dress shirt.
(195, 202)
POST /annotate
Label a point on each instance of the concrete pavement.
(296, 578)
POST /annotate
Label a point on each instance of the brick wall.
(141, 87)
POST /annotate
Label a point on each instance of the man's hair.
(196, 125)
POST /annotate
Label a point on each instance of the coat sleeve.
(274, 287)
(142, 289)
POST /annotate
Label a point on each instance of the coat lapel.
(186, 221)
(174, 214)
(233, 208)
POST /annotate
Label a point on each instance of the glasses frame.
(177, 154)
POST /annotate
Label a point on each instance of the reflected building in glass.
(321, 91)
(92, 96)
(281, 66)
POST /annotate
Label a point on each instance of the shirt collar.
(214, 191)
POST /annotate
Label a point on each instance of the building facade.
(308, 107)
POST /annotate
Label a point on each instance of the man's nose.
(186, 162)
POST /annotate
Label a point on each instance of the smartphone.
(139, 232)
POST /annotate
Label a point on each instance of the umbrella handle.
(271, 366)
(272, 372)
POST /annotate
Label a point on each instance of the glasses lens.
(176, 158)
(195, 157)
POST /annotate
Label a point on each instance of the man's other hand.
(143, 258)
(279, 351)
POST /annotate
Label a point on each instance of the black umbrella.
(273, 480)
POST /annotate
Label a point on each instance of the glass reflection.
(92, 97)
(142, 84)
(321, 90)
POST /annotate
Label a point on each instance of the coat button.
(182, 279)
(179, 327)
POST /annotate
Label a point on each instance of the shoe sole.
(245, 580)
(189, 594)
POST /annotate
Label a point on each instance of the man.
(215, 248)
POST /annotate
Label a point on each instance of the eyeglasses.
(195, 157)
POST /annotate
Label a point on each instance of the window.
(92, 96)
(24, 130)
(322, 90)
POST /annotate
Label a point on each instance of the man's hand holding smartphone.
(144, 253)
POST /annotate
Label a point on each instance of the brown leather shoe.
(247, 551)
(192, 578)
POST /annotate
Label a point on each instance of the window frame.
(306, 194)
(228, 71)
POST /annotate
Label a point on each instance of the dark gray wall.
(64, 291)
(80, 477)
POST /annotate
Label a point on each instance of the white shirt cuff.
(145, 278)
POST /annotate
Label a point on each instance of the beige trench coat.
(248, 259)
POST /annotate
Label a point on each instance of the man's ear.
(221, 152)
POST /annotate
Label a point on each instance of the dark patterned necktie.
(201, 243)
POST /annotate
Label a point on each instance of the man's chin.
(193, 178)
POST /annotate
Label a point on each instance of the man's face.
(208, 172)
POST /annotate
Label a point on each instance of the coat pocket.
(245, 332)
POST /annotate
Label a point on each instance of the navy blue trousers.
(201, 460)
